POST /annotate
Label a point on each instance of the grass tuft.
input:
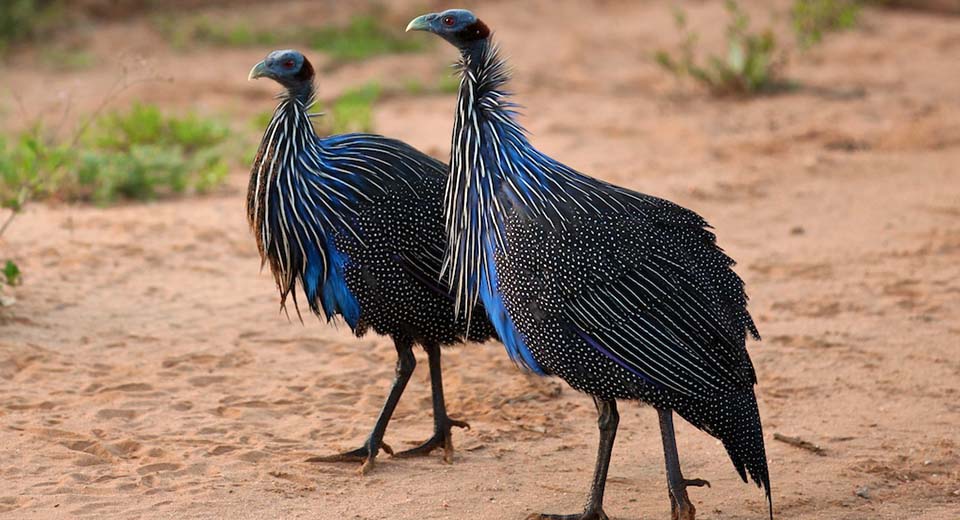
(62, 58)
(11, 273)
(24, 20)
(183, 34)
(362, 37)
(812, 18)
(750, 65)
(138, 154)
(444, 84)
(352, 111)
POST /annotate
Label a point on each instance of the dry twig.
(800, 443)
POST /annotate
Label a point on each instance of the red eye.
(448, 20)
(289, 64)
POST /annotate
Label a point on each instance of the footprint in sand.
(112, 413)
(254, 456)
(202, 381)
(158, 467)
(222, 450)
(93, 508)
(128, 387)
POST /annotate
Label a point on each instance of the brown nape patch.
(306, 71)
(473, 32)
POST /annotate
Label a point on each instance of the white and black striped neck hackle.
(304, 189)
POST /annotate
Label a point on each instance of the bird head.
(458, 26)
(289, 68)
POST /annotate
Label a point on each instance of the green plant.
(448, 84)
(812, 18)
(138, 154)
(352, 111)
(183, 33)
(750, 65)
(261, 120)
(142, 153)
(443, 84)
(414, 87)
(9, 276)
(362, 37)
(63, 58)
(30, 166)
(11, 273)
(22, 20)
(24, 167)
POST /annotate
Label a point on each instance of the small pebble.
(863, 492)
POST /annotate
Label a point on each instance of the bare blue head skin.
(458, 26)
(289, 68)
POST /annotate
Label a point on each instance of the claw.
(357, 455)
(363, 454)
(425, 449)
(367, 466)
(442, 438)
(448, 450)
(681, 508)
(460, 424)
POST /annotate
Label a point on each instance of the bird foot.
(364, 454)
(586, 515)
(681, 508)
(442, 438)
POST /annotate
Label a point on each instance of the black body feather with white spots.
(373, 201)
(356, 221)
(623, 295)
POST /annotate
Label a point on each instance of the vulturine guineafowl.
(621, 294)
(356, 220)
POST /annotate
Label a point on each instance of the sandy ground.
(145, 371)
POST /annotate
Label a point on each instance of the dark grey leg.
(367, 454)
(442, 423)
(607, 423)
(681, 508)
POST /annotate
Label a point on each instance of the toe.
(460, 424)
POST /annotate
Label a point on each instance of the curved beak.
(258, 71)
(421, 23)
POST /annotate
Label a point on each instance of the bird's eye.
(289, 64)
(448, 21)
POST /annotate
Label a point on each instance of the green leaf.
(664, 60)
(11, 273)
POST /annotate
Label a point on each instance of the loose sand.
(145, 371)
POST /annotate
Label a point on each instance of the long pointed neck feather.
(303, 189)
(491, 164)
(495, 172)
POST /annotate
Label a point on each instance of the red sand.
(145, 371)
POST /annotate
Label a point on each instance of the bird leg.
(367, 454)
(681, 508)
(442, 423)
(607, 423)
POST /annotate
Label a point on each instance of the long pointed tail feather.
(735, 420)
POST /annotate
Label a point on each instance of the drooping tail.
(735, 420)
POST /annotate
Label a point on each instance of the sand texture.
(146, 371)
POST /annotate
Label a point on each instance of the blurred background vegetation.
(141, 152)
